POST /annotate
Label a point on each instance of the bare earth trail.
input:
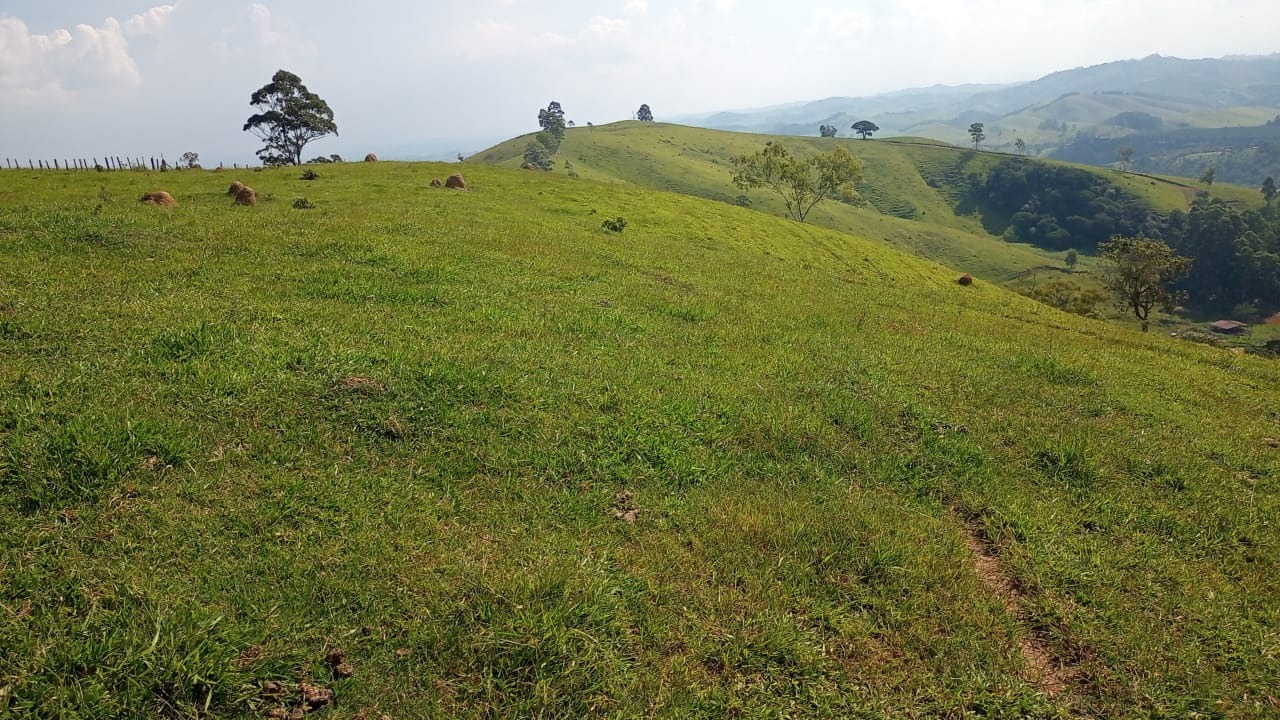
(1041, 668)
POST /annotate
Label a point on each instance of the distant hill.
(918, 194)
(1244, 155)
(1103, 100)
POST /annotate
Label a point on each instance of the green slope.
(720, 465)
(912, 187)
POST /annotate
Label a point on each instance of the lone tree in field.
(1072, 259)
(189, 160)
(978, 133)
(1020, 146)
(828, 131)
(801, 182)
(644, 114)
(1209, 176)
(291, 116)
(1269, 190)
(865, 128)
(552, 120)
(1126, 157)
(1138, 272)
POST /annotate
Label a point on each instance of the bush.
(310, 175)
(1245, 311)
(303, 204)
(616, 225)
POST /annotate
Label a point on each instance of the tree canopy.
(644, 114)
(1125, 154)
(801, 182)
(290, 117)
(552, 120)
(865, 128)
(1057, 207)
(828, 131)
(977, 133)
(1139, 273)
(1269, 190)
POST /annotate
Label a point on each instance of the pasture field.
(914, 191)
(718, 465)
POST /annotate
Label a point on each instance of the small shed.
(1228, 327)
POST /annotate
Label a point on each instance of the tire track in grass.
(1040, 667)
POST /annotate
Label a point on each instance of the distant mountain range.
(1108, 100)
(1162, 106)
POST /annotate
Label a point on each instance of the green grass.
(901, 209)
(233, 439)
(914, 190)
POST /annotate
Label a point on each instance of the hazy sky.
(86, 77)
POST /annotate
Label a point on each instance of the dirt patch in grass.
(625, 507)
(1040, 667)
(361, 384)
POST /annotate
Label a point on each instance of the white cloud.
(151, 22)
(38, 68)
(636, 7)
(260, 19)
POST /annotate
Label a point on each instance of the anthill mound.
(159, 197)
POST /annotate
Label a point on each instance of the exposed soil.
(1041, 669)
(625, 508)
(359, 383)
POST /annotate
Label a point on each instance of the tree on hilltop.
(865, 128)
(1126, 157)
(1209, 176)
(1269, 190)
(1138, 272)
(801, 182)
(977, 133)
(828, 131)
(1020, 146)
(291, 117)
(189, 160)
(552, 120)
(644, 114)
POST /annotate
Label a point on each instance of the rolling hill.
(441, 454)
(916, 191)
(1244, 155)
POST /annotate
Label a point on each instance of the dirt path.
(1037, 659)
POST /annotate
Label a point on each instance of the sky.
(408, 78)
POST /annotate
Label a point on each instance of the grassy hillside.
(914, 189)
(1051, 125)
(695, 161)
(512, 465)
(1245, 155)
